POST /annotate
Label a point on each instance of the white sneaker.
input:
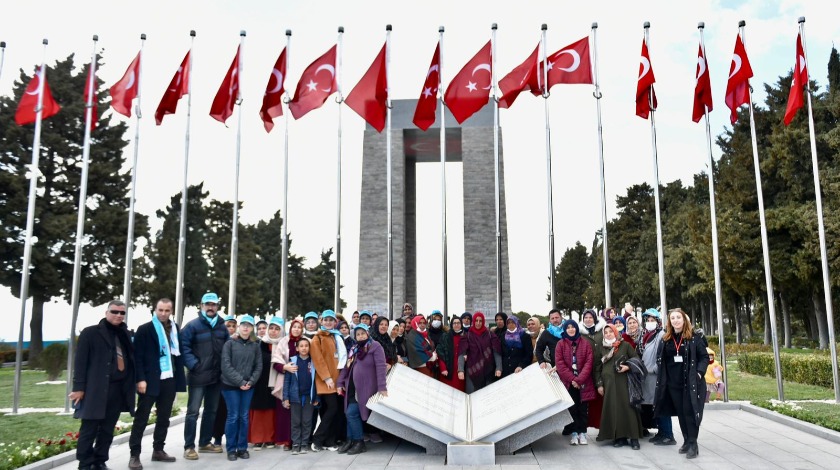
(582, 439)
(574, 440)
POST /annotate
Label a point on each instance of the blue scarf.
(211, 321)
(340, 348)
(167, 348)
(556, 331)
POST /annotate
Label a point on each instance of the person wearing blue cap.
(328, 356)
(202, 340)
(241, 368)
(365, 318)
(310, 325)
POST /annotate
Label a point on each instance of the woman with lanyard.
(479, 356)
(421, 351)
(574, 362)
(516, 348)
(285, 349)
(680, 387)
(447, 351)
(619, 419)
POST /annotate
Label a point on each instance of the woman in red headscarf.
(479, 356)
(421, 351)
(280, 354)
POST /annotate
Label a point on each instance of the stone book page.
(514, 398)
(427, 400)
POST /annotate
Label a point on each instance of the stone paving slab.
(729, 439)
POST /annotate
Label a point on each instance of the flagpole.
(30, 223)
(389, 175)
(129, 244)
(550, 192)
(659, 248)
(499, 301)
(339, 99)
(444, 262)
(598, 95)
(2, 56)
(284, 256)
(715, 254)
(768, 278)
(182, 235)
(80, 224)
(829, 309)
(234, 234)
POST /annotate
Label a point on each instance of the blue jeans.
(666, 427)
(209, 394)
(354, 422)
(236, 426)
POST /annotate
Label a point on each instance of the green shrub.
(810, 369)
(54, 360)
(9, 355)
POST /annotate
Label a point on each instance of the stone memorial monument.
(499, 419)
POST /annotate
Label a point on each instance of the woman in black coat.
(517, 349)
(680, 388)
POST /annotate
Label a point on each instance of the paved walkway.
(728, 439)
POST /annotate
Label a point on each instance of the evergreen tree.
(572, 278)
(833, 71)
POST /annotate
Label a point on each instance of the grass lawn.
(31, 395)
(748, 387)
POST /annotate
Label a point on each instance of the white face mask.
(436, 323)
(609, 342)
(511, 331)
(650, 325)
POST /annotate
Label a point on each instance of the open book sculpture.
(511, 413)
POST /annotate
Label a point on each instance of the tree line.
(106, 226)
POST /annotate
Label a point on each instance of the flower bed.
(17, 454)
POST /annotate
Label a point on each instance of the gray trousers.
(302, 423)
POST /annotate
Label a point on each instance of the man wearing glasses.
(103, 385)
(202, 340)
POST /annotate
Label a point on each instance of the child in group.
(714, 377)
(299, 395)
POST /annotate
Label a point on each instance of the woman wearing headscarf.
(280, 355)
(680, 387)
(479, 356)
(447, 351)
(620, 420)
(574, 361)
(499, 325)
(263, 405)
(621, 324)
(344, 329)
(647, 347)
(379, 333)
(466, 321)
(362, 378)
(399, 341)
(591, 329)
(517, 350)
(421, 351)
(634, 330)
(533, 327)
(436, 326)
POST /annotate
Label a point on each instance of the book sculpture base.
(510, 413)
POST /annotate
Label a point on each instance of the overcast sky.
(770, 40)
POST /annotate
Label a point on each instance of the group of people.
(268, 384)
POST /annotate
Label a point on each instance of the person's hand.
(340, 391)
(601, 391)
(623, 368)
(460, 376)
(544, 365)
(387, 367)
(444, 373)
(286, 404)
(498, 373)
(575, 384)
(384, 393)
(141, 387)
(330, 383)
(434, 357)
(290, 368)
(517, 370)
(76, 397)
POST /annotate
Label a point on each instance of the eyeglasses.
(117, 312)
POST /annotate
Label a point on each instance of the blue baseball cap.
(210, 297)
(277, 321)
(651, 312)
(310, 315)
(327, 314)
(246, 319)
(435, 312)
(365, 312)
(361, 326)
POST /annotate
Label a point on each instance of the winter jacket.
(95, 355)
(325, 360)
(147, 360)
(241, 362)
(697, 362)
(291, 388)
(513, 357)
(201, 348)
(547, 343)
(649, 357)
(635, 380)
(368, 377)
(585, 364)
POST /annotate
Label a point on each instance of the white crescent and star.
(575, 60)
(329, 68)
(434, 68)
(178, 82)
(701, 62)
(278, 75)
(736, 60)
(37, 84)
(645, 67)
(478, 67)
(801, 63)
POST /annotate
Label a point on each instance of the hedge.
(9, 356)
(803, 368)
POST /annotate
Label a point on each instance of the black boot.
(345, 446)
(357, 448)
(693, 451)
(684, 448)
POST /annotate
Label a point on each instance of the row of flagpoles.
(466, 94)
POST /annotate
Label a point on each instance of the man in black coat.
(160, 374)
(103, 385)
(202, 341)
(547, 342)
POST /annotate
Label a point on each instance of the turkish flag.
(738, 86)
(797, 86)
(469, 91)
(93, 115)
(124, 91)
(228, 93)
(314, 87)
(369, 98)
(702, 87)
(644, 88)
(272, 106)
(570, 65)
(519, 79)
(178, 87)
(424, 114)
(26, 111)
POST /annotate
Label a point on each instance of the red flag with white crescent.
(316, 83)
(645, 95)
(124, 91)
(228, 94)
(178, 87)
(425, 113)
(26, 111)
(797, 86)
(272, 106)
(369, 98)
(570, 65)
(469, 91)
(519, 79)
(702, 87)
(738, 85)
